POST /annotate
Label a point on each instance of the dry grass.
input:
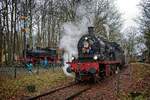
(11, 88)
(140, 72)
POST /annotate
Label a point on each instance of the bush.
(31, 88)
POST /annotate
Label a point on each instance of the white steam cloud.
(107, 30)
(72, 32)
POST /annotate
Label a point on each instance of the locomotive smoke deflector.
(91, 30)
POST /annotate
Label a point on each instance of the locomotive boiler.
(97, 57)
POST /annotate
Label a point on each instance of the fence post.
(53, 67)
(15, 71)
(37, 70)
(130, 73)
(118, 82)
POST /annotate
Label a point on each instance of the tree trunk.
(1, 39)
(15, 32)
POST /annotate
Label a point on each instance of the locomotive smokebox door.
(91, 30)
(92, 71)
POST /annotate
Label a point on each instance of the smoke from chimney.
(73, 31)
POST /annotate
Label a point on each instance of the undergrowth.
(10, 88)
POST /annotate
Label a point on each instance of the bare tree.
(145, 23)
(19, 19)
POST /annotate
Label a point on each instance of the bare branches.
(145, 23)
(44, 19)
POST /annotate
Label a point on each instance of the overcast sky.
(130, 11)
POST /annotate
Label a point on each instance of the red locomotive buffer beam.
(86, 66)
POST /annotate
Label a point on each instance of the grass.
(12, 88)
(140, 70)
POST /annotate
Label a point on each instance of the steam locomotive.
(35, 56)
(97, 58)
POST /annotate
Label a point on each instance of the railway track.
(78, 93)
(64, 93)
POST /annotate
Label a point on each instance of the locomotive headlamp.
(73, 58)
(95, 57)
(86, 38)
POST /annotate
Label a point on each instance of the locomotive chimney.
(91, 30)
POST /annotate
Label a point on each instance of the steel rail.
(50, 92)
(77, 93)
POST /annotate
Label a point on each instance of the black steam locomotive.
(97, 57)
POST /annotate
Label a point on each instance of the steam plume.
(72, 32)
